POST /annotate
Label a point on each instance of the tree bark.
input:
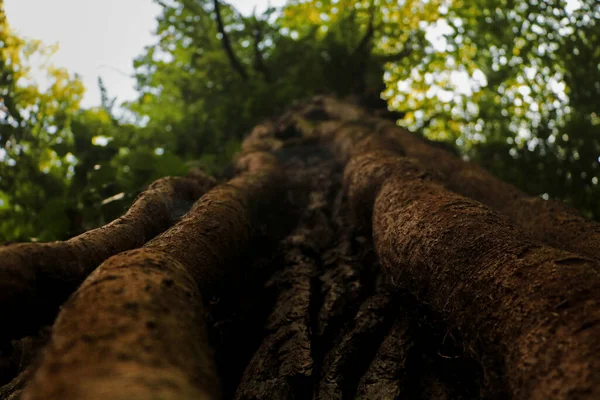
(35, 278)
(550, 221)
(524, 308)
(148, 321)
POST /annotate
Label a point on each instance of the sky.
(97, 37)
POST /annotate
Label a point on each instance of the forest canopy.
(513, 85)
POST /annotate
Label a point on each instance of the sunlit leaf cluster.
(516, 86)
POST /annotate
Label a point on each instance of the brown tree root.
(35, 278)
(135, 328)
(552, 222)
(531, 313)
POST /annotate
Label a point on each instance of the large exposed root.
(149, 339)
(35, 278)
(529, 311)
(549, 221)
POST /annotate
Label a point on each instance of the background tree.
(35, 135)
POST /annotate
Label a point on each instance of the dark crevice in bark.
(355, 347)
(387, 376)
(235, 322)
(18, 362)
(283, 365)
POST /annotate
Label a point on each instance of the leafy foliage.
(63, 169)
(35, 136)
(516, 85)
(513, 84)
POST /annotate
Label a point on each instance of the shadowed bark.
(283, 363)
(347, 360)
(387, 376)
(13, 389)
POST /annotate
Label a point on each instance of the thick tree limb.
(552, 222)
(259, 61)
(35, 278)
(149, 339)
(526, 309)
(233, 60)
(394, 57)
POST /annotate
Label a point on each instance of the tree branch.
(235, 63)
(362, 53)
(259, 62)
(366, 40)
(394, 57)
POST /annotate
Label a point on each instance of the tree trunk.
(345, 258)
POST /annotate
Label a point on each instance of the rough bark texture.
(387, 376)
(549, 221)
(152, 332)
(526, 308)
(345, 362)
(35, 278)
(335, 264)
